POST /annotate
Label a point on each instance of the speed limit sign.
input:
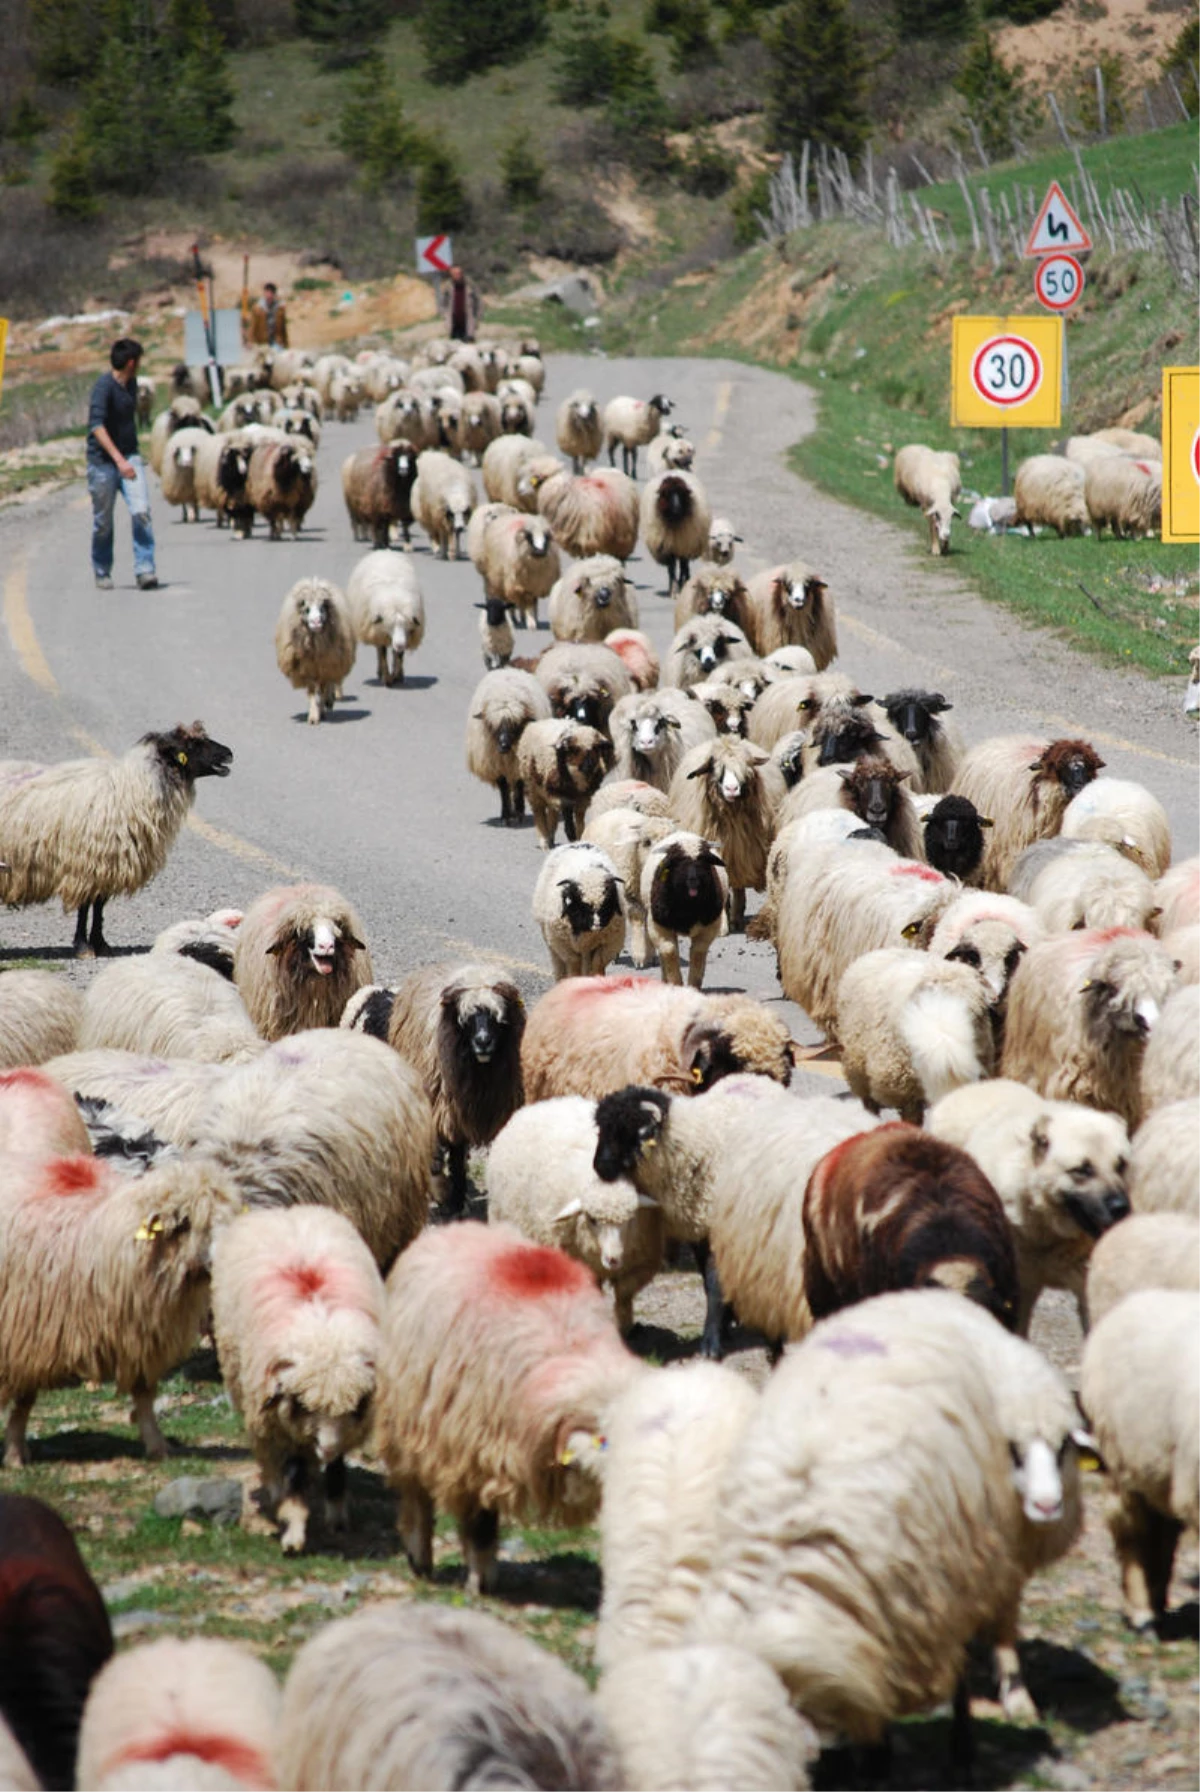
(1006, 372)
(1058, 282)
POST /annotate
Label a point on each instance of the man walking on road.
(114, 464)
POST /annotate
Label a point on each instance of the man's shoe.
(147, 582)
(103, 582)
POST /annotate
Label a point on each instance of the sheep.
(1140, 1388)
(387, 610)
(591, 600)
(460, 1026)
(1023, 785)
(1178, 893)
(219, 473)
(1129, 441)
(700, 646)
(674, 518)
(502, 464)
(297, 1303)
(912, 1027)
(705, 1717)
(404, 416)
(628, 836)
(495, 634)
(593, 1035)
(1086, 449)
(1126, 816)
(377, 485)
(519, 563)
(727, 704)
(636, 652)
(590, 513)
(870, 787)
(1048, 490)
(1164, 1170)
(577, 904)
(793, 841)
(728, 791)
(560, 764)
(852, 898)
(915, 714)
(789, 605)
(608, 1226)
(86, 830)
(502, 705)
(930, 479)
(797, 702)
(1080, 1009)
(315, 643)
(788, 754)
(329, 1117)
(56, 1639)
(443, 498)
(991, 934)
(1170, 1069)
(166, 1006)
(194, 1711)
(583, 680)
(632, 423)
(722, 539)
(102, 1276)
(40, 1014)
(670, 451)
(1147, 1250)
(1082, 883)
(420, 1695)
(183, 412)
(165, 1097)
(653, 731)
(684, 891)
(1191, 695)
(628, 793)
(499, 1360)
(578, 430)
(178, 472)
(298, 422)
(37, 1116)
(299, 955)
(478, 425)
(246, 408)
(715, 590)
(208, 940)
(1124, 496)
(281, 484)
(953, 837)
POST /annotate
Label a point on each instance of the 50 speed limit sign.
(1007, 372)
(1058, 282)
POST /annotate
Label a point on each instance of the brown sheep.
(1024, 784)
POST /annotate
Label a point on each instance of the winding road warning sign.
(1057, 227)
(1058, 282)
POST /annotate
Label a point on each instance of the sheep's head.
(322, 1398)
(661, 404)
(589, 910)
(314, 609)
(534, 537)
(484, 1018)
(607, 1218)
(674, 500)
(721, 541)
(629, 1124)
(1128, 982)
(788, 754)
(1045, 1472)
(841, 733)
(318, 946)
(795, 588)
(941, 515)
(873, 787)
(954, 836)
(1073, 762)
(584, 754)
(727, 704)
(188, 753)
(650, 730)
(731, 770)
(914, 713)
(994, 949)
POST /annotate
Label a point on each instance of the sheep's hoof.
(83, 950)
(1018, 1706)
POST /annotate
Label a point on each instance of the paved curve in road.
(377, 800)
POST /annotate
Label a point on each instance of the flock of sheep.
(242, 1130)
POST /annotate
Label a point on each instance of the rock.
(117, 1590)
(219, 1500)
(1065, 1775)
(129, 1623)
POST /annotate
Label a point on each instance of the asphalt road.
(377, 800)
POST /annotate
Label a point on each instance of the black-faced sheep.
(796, 702)
(577, 904)
(700, 646)
(916, 716)
(789, 605)
(930, 479)
(954, 838)
(1024, 785)
(561, 764)
(503, 703)
(685, 889)
(377, 484)
(630, 424)
(315, 643)
(578, 431)
(628, 836)
(281, 484)
(675, 518)
(583, 680)
(729, 792)
(298, 959)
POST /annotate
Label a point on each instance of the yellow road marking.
(724, 395)
(19, 624)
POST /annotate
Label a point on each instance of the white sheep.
(503, 463)
(1048, 490)
(630, 424)
(209, 939)
(1086, 449)
(388, 611)
(1124, 815)
(518, 563)
(39, 1017)
(560, 764)
(442, 500)
(729, 791)
(405, 416)
(315, 643)
(931, 480)
(989, 933)
(1130, 441)
(912, 1028)
(1164, 1169)
(609, 1226)
(1178, 892)
(1082, 883)
(684, 894)
(634, 648)
(1171, 1065)
(578, 431)
(700, 646)
(297, 1303)
(652, 731)
(164, 1005)
(502, 704)
(1147, 1250)
(628, 837)
(179, 471)
(1022, 784)
(590, 513)
(722, 539)
(166, 1097)
(577, 904)
(591, 599)
(1124, 496)
(298, 957)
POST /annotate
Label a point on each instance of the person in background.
(458, 302)
(268, 318)
(114, 464)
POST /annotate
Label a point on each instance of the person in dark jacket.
(114, 465)
(268, 318)
(458, 302)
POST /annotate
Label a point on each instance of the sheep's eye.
(1083, 1171)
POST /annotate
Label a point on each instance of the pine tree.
(464, 37)
(372, 129)
(994, 93)
(72, 189)
(816, 87)
(588, 57)
(521, 170)
(442, 202)
(933, 18)
(65, 36)
(345, 31)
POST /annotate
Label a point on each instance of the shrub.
(934, 18)
(344, 31)
(66, 36)
(637, 113)
(522, 171)
(750, 204)
(442, 202)
(994, 94)
(588, 67)
(688, 24)
(1181, 60)
(1020, 12)
(464, 37)
(816, 87)
(72, 187)
(707, 170)
(372, 129)
(1112, 73)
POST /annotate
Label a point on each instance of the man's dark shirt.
(113, 407)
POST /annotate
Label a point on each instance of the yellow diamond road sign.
(1181, 454)
(1006, 372)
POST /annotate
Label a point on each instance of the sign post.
(434, 254)
(1006, 372)
(3, 342)
(1181, 454)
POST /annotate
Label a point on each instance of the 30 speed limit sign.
(1058, 282)
(1007, 372)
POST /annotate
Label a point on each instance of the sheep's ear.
(1083, 1440)
(935, 703)
(911, 931)
(277, 945)
(1039, 1139)
(352, 940)
(861, 697)
(900, 776)
(955, 511)
(844, 772)
(568, 1212)
(674, 721)
(701, 771)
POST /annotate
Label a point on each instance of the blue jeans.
(104, 482)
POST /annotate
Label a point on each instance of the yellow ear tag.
(697, 1074)
(182, 758)
(913, 928)
(1084, 987)
(149, 1229)
(566, 1459)
(649, 1144)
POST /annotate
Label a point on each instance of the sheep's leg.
(640, 949)
(397, 668)
(668, 958)
(697, 960)
(155, 1444)
(623, 1307)
(293, 1507)
(1013, 1694)
(96, 939)
(415, 1524)
(518, 801)
(1161, 1538)
(16, 1449)
(455, 1202)
(716, 1312)
(506, 814)
(545, 819)
(79, 945)
(962, 1746)
(314, 708)
(570, 818)
(612, 451)
(1127, 1516)
(685, 567)
(330, 695)
(381, 665)
(337, 1502)
(479, 1530)
(737, 909)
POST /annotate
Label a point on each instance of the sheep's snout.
(481, 1036)
(1038, 1479)
(602, 596)
(1145, 1015)
(731, 785)
(707, 655)
(314, 617)
(797, 595)
(322, 947)
(611, 1245)
(645, 735)
(506, 735)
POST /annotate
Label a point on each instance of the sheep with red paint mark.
(297, 1305)
(38, 1117)
(1024, 785)
(499, 1361)
(181, 1711)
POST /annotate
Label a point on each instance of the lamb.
(178, 472)
(1124, 496)
(281, 484)
(578, 430)
(608, 1226)
(1124, 815)
(675, 518)
(420, 1695)
(1082, 883)
(722, 539)
(715, 590)
(628, 837)
(915, 714)
(912, 1028)
(870, 788)
(38, 1117)
(684, 891)
(560, 764)
(495, 634)
(591, 600)
(1024, 785)
(299, 956)
(728, 791)
(377, 485)
(503, 462)
(40, 1014)
(460, 1026)
(636, 652)
(653, 732)
(632, 423)
(166, 1006)
(1080, 1010)
(931, 480)
(86, 830)
(519, 563)
(1140, 1388)
(208, 940)
(593, 1035)
(700, 646)
(442, 500)
(1164, 1171)
(315, 644)
(954, 837)
(1147, 1250)
(297, 1304)
(577, 904)
(502, 705)
(1049, 491)
(789, 605)
(1170, 1068)
(590, 513)
(387, 610)
(727, 704)
(195, 1711)
(102, 1276)
(991, 934)
(499, 1362)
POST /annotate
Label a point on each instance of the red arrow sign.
(434, 254)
